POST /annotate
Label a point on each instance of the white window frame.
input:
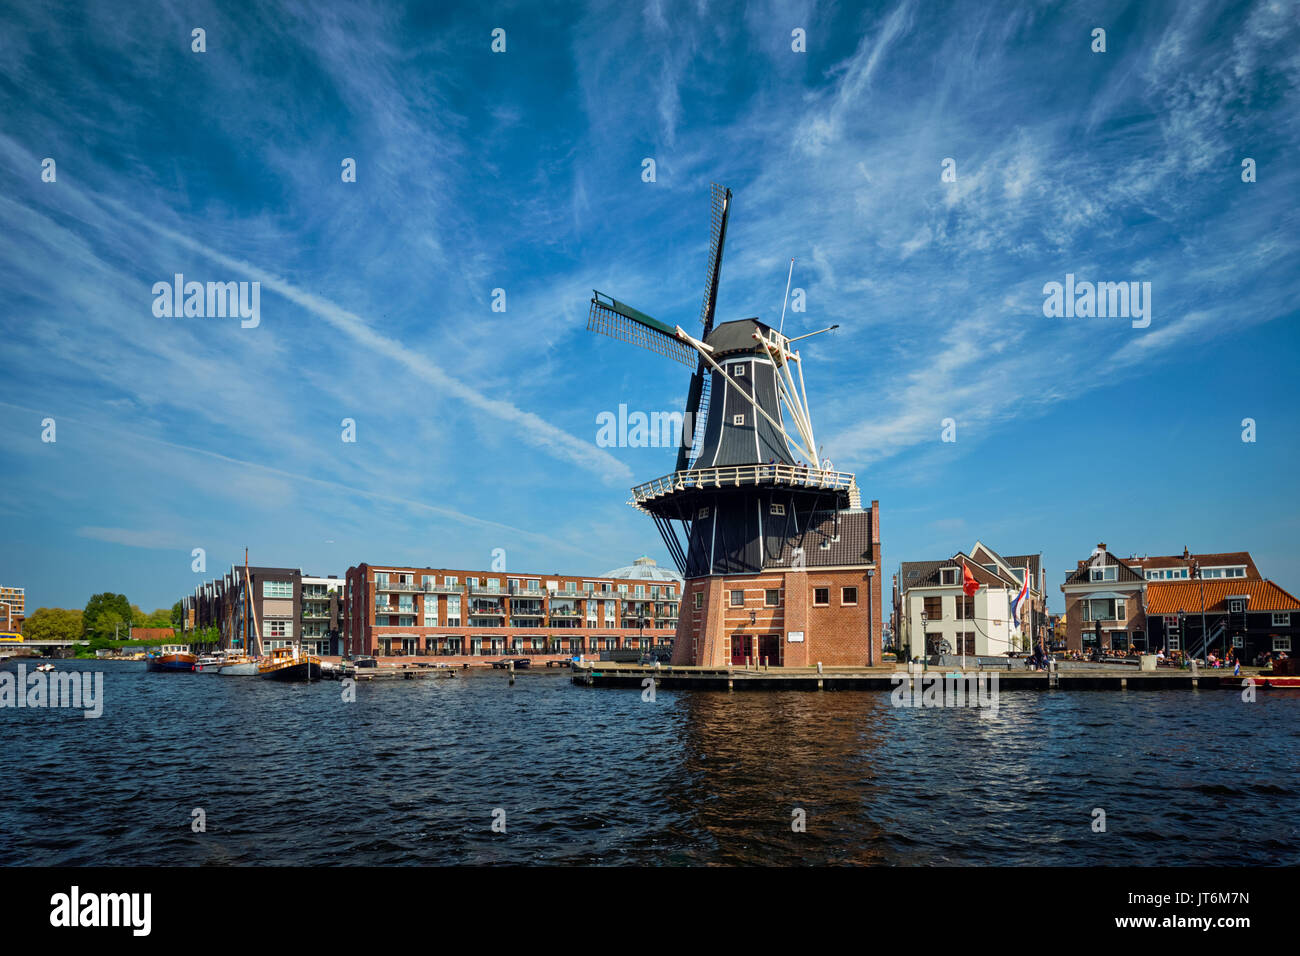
(738, 419)
(1281, 619)
(1282, 642)
(776, 509)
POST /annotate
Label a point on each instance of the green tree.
(53, 624)
(177, 617)
(107, 615)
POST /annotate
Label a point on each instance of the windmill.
(747, 495)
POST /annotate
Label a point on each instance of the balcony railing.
(794, 476)
(409, 586)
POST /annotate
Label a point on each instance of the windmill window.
(702, 514)
(778, 509)
(737, 419)
(738, 371)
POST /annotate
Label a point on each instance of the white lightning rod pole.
(787, 295)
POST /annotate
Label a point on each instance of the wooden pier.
(390, 672)
(605, 674)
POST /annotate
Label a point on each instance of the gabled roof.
(928, 573)
(1080, 574)
(1015, 563)
(1170, 597)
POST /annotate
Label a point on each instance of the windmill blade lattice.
(618, 321)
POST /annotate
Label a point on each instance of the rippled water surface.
(412, 772)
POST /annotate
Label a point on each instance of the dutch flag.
(1018, 600)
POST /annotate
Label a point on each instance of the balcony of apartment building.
(316, 610)
(489, 588)
(317, 592)
(564, 614)
(432, 587)
(398, 586)
(480, 607)
(526, 589)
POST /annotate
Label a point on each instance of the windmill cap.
(734, 337)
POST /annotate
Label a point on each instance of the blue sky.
(522, 170)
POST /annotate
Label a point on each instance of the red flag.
(968, 582)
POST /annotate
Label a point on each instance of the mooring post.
(512, 672)
(820, 682)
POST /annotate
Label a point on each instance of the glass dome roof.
(644, 569)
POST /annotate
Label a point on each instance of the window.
(426, 581)
(738, 371)
(772, 597)
(737, 419)
(452, 581)
(947, 575)
(640, 590)
(699, 599)
(934, 608)
(737, 598)
(1104, 609)
(1236, 607)
(1282, 643)
(1282, 619)
(702, 514)
(277, 589)
(848, 596)
(431, 612)
(512, 584)
(777, 509)
(279, 629)
(1106, 573)
(821, 597)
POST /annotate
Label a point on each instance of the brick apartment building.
(407, 611)
(13, 609)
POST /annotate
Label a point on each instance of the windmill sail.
(619, 321)
(697, 396)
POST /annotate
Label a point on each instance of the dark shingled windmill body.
(776, 548)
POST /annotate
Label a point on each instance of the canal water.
(417, 772)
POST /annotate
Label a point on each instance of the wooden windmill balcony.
(737, 476)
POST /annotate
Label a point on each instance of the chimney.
(1186, 555)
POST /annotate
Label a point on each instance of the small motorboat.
(45, 667)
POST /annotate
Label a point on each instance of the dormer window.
(1105, 573)
(947, 575)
